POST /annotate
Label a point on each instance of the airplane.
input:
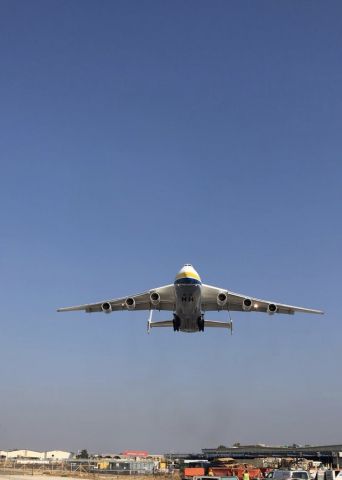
(188, 298)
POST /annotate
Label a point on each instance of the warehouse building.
(131, 467)
(58, 455)
(327, 454)
(51, 455)
(26, 454)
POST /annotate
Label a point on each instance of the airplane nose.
(188, 272)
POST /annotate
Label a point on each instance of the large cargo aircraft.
(189, 299)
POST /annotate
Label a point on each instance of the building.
(328, 454)
(51, 455)
(20, 454)
(58, 455)
(135, 453)
(131, 467)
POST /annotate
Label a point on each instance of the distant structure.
(58, 455)
(325, 453)
(51, 455)
(135, 453)
(129, 462)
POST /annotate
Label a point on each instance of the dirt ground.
(10, 475)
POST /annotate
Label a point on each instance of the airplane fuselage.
(188, 315)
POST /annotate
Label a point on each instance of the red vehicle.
(237, 471)
(194, 468)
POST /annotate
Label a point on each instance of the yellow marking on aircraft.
(189, 274)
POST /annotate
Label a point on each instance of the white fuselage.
(188, 286)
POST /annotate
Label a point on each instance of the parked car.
(290, 474)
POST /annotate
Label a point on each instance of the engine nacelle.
(222, 299)
(247, 304)
(155, 298)
(271, 308)
(106, 307)
(130, 303)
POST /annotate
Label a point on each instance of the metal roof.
(258, 451)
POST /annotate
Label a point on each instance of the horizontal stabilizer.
(215, 324)
(207, 324)
(162, 323)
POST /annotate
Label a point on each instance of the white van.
(290, 474)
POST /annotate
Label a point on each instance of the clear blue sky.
(139, 136)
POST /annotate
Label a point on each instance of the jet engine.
(222, 299)
(271, 308)
(155, 298)
(246, 304)
(106, 307)
(130, 303)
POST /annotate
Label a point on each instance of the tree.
(83, 454)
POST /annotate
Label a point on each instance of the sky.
(139, 136)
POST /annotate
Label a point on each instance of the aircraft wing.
(237, 302)
(141, 301)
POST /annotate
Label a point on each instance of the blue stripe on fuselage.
(188, 281)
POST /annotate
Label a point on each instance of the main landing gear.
(176, 323)
(200, 323)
